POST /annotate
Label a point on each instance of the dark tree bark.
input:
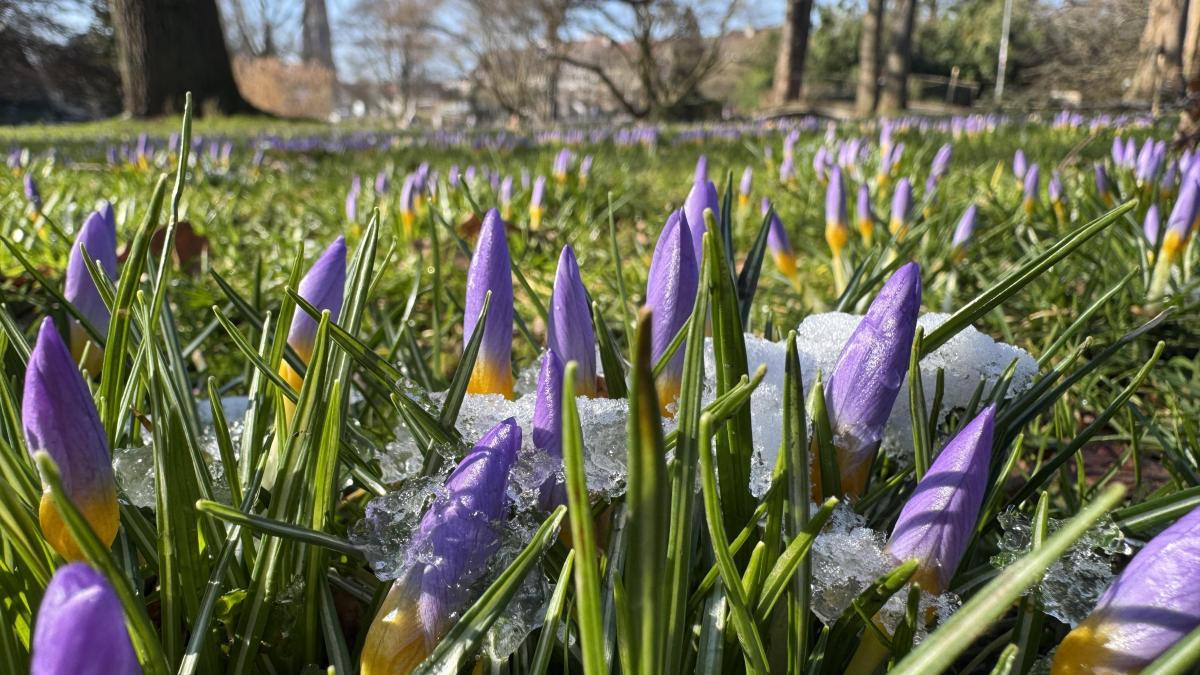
(316, 42)
(793, 48)
(166, 48)
(1160, 60)
(867, 95)
(1189, 121)
(899, 59)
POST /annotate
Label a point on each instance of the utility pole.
(1002, 61)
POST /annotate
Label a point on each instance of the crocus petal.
(547, 429)
(99, 237)
(869, 374)
(60, 417)
(324, 288)
(1151, 224)
(901, 207)
(836, 229)
(866, 219)
(703, 195)
(747, 182)
(965, 228)
(936, 524)
(448, 555)
(491, 270)
(80, 627)
(1032, 176)
(569, 329)
(779, 244)
(701, 174)
(1019, 165)
(1151, 606)
(670, 295)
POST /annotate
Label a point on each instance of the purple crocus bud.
(491, 270)
(941, 163)
(585, 170)
(965, 229)
(936, 524)
(80, 627)
(1151, 224)
(1151, 606)
(745, 186)
(14, 159)
(569, 329)
(32, 193)
(562, 162)
(99, 237)
(1032, 176)
(701, 174)
(787, 170)
(837, 231)
(536, 210)
(1183, 217)
(547, 429)
(408, 204)
(820, 164)
(382, 182)
(453, 175)
(324, 288)
(1019, 164)
(60, 417)
(670, 295)
(1118, 151)
(506, 189)
(866, 219)
(469, 175)
(1054, 188)
(1103, 187)
(449, 554)
(352, 199)
(779, 244)
(901, 208)
(1131, 153)
(703, 195)
(869, 374)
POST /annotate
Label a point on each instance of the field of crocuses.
(915, 396)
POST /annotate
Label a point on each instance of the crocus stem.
(839, 273)
(1161, 275)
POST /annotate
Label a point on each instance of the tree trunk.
(793, 48)
(1189, 121)
(316, 43)
(899, 58)
(867, 95)
(169, 47)
(1160, 60)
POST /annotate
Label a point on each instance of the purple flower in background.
(965, 229)
(491, 270)
(866, 219)
(701, 174)
(936, 524)
(449, 554)
(901, 208)
(745, 186)
(1118, 151)
(780, 245)
(452, 176)
(59, 416)
(670, 296)
(868, 375)
(535, 202)
(562, 163)
(352, 199)
(99, 237)
(1153, 604)
(569, 329)
(80, 627)
(941, 163)
(1030, 192)
(1131, 153)
(382, 182)
(702, 196)
(547, 429)
(585, 170)
(787, 171)
(14, 159)
(506, 189)
(408, 204)
(837, 231)
(820, 164)
(1019, 164)
(32, 193)
(469, 174)
(1054, 189)
(1182, 220)
(1151, 224)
